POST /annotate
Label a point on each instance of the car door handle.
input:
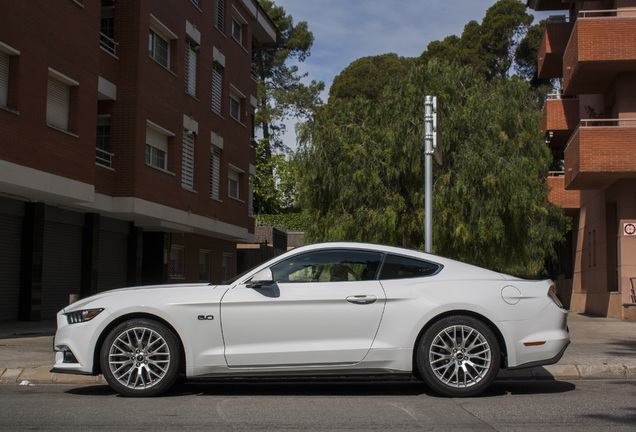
(362, 299)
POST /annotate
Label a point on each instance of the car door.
(324, 308)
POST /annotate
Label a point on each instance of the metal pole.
(428, 173)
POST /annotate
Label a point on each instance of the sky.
(346, 30)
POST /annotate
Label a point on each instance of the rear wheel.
(140, 357)
(458, 356)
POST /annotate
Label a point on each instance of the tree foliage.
(282, 94)
(362, 170)
(488, 47)
(368, 76)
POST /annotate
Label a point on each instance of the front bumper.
(75, 344)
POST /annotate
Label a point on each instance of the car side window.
(328, 266)
(399, 267)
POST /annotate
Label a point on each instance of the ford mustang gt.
(323, 309)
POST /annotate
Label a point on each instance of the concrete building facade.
(126, 145)
(591, 125)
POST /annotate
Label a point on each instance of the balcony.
(569, 200)
(601, 46)
(599, 153)
(547, 5)
(553, 44)
(559, 119)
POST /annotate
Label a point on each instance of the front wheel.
(140, 357)
(458, 356)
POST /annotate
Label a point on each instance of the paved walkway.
(601, 348)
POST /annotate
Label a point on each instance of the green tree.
(368, 76)
(488, 47)
(281, 95)
(526, 55)
(362, 170)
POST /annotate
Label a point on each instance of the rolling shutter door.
(10, 247)
(61, 266)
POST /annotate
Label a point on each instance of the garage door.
(61, 266)
(10, 247)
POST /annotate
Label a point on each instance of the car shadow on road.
(305, 387)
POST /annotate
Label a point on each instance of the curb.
(43, 375)
(571, 372)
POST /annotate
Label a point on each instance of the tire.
(140, 358)
(458, 356)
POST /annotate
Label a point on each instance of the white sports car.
(323, 309)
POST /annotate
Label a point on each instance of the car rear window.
(399, 267)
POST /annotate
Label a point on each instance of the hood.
(96, 298)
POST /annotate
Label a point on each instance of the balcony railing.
(600, 152)
(600, 47)
(108, 44)
(607, 13)
(104, 158)
(558, 19)
(629, 122)
(560, 96)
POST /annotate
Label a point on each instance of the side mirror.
(263, 277)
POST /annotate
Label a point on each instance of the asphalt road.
(301, 405)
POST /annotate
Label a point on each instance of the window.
(157, 147)
(159, 49)
(237, 31)
(399, 267)
(187, 160)
(177, 262)
(329, 266)
(204, 266)
(191, 68)
(8, 71)
(233, 178)
(103, 156)
(228, 266)
(235, 108)
(217, 88)
(219, 18)
(107, 30)
(215, 173)
(59, 100)
(4, 79)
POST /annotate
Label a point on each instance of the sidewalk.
(601, 348)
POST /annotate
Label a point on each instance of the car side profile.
(323, 309)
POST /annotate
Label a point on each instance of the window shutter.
(191, 69)
(57, 104)
(4, 79)
(233, 184)
(187, 169)
(220, 15)
(217, 88)
(156, 139)
(215, 173)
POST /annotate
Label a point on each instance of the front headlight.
(82, 315)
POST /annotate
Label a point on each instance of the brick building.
(125, 145)
(591, 125)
